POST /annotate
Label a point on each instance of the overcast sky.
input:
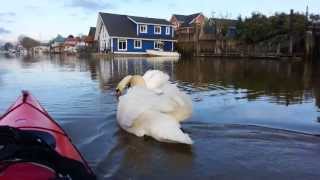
(44, 19)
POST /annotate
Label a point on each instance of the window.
(157, 30)
(143, 28)
(167, 30)
(122, 45)
(137, 44)
(158, 45)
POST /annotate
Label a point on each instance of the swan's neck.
(124, 83)
(137, 81)
(131, 81)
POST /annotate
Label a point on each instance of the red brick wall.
(200, 19)
(175, 22)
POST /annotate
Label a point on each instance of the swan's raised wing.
(139, 100)
(155, 79)
(183, 109)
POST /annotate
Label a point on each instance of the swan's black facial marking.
(129, 85)
(118, 93)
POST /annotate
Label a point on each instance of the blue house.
(123, 34)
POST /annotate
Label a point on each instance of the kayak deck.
(27, 114)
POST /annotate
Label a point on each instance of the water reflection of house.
(259, 79)
(111, 71)
(105, 73)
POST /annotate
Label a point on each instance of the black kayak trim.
(20, 146)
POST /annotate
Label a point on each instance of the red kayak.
(33, 146)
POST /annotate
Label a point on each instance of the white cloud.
(4, 31)
(91, 5)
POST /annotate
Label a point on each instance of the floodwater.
(253, 119)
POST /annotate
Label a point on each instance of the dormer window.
(143, 28)
(167, 30)
(157, 29)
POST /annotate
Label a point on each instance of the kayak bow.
(38, 143)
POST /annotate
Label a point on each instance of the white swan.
(153, 107)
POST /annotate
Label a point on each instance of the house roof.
(59, 38)
(92, 31)
(186, 19)
(180, 18)
(149, 20)
(121, 26)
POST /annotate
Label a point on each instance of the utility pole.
(196, 39)
(307, 13)
(307, 18)
(291, 33)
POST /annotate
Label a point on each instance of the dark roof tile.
(186, 19)
(92, 31)
(119, 25)
(150, 20)
(180, 18)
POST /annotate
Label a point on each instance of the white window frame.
(155, 27)
(123, 40)
(154, 45)
(145, 30)
(134, 44)
(168, 29)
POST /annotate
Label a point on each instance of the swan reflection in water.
(144, 158)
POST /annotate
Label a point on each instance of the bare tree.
(28, 42)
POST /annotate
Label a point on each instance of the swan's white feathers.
(145, 111)
(164, 128)
(155, 79)
(138, 100)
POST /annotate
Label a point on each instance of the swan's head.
(129, 81)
